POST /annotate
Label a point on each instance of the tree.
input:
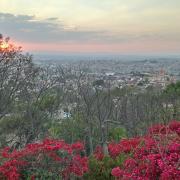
(16, 79)
(172, 93)
(24, 89)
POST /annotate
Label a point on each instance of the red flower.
(117, 172)
(98, 153)
(63, 158)
(78, 146)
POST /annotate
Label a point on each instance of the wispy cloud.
(28, 28)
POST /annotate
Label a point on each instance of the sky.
(92, 26)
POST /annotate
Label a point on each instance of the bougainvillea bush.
(51, 159)
(155, 156)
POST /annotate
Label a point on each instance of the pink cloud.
(131, 47)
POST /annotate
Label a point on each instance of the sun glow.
(4, 45)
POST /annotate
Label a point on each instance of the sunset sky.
(114, 26)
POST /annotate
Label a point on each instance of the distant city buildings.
(118, 73)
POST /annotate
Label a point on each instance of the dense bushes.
(49, 159)
(153, 156)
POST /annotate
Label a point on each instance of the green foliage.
(172, 92)
(9, 125)
(173, 88)
(118, 92)
(47, 102)
(70, 129)
(10, 122)
(41, 174)
(117, 133)
(101, 169)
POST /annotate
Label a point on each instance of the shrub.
(154, 156)
(101, 169)
(52, 159)
(100, 166)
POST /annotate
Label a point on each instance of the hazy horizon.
(103, 56)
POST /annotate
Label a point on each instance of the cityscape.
(116, 72)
